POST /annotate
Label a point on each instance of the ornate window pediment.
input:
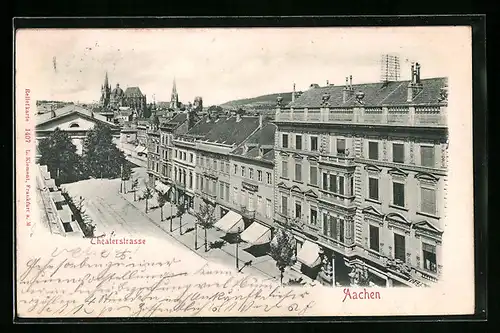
(427, 177)
(297, 156)
(283, 185)
(427, 226)
(295, 188)
(372, 211)
(282, 153)
(398, 218)
(311, 193)
(397, 172)
(312, 158)
(372, 168)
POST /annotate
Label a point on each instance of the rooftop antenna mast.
(389, 68)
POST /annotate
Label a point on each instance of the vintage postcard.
(244, 172)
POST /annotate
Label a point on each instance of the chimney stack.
(414, 87)
(52, 112)
(293, 93)
(327, 82)
(348, 90)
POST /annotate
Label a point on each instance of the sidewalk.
(261, 266)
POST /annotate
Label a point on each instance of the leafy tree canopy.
(101, 157)
(58, 153)
(282, 249)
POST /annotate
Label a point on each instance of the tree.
(126, 174)
(147, 195)
(181, 209)
(58, 153)
(101, 157)
(161, 202)
(135, 186)
(282, 250)
(206, 219)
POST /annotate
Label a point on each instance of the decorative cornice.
(399, 218)
(426, 177)
(372, 167)
(397, 172)
(427, 226)
(373, 211)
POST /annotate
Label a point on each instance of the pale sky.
(224, 64)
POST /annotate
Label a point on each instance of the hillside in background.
(259, 102)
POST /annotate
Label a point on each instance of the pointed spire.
(174, 88)
(106, 80)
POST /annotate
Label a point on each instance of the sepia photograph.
(244, 172)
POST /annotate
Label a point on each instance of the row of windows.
(247, 200)
(216, 165)
(252, 174)
(427, 156)
(182, 155)
(428, 198)
(399, 250)
(182, 176)
(313, 142)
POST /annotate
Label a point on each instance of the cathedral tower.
(174, 98)
(105, 92)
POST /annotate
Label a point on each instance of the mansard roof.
(375, 94)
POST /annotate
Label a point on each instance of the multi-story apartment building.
(360, 180)
(252, 183)
(161, 150)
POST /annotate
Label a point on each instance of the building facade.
(360, 180)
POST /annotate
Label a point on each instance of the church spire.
(174, 98)
(106, 80)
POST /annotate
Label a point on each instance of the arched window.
(73, 125)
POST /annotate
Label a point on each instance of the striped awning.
(57, 196)
(65, 214)
(309, 254)
(230, 223)
(256, 234)
(140, 149)
(162, 188)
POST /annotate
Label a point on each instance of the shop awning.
(140, 149)
(309, 254)
(57, 196)
(162, 188)
(51, 183)
(256, 234)
(65, 214)
(230, 223)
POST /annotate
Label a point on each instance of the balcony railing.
(339, 199)
(210, 172)
(407, 116)
(339, 160)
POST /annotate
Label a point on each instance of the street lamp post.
(237, 248)
(171, 204)
(196, 235)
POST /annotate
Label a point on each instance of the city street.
(113, 211)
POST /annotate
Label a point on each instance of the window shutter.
(428, 203)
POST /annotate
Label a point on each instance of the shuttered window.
(427, 156)
(373, 188)
(398, 194)
(373, 150)
(398, 153)
(399, 247)
(298, 171)
(340, 146)
(284, 169)
(374, 238)
(428, 200)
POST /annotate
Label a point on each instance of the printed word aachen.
(360, 294)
